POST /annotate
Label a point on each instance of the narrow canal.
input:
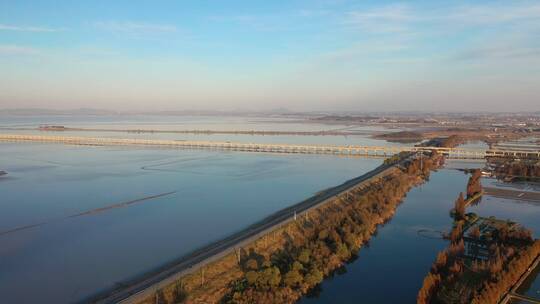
(392, 267)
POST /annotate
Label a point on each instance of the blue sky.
(301, 55)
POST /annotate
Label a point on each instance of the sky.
(310, 55)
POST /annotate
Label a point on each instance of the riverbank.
(233, 276)
(528, 196)
(214, 251)
(513, 293)
(485, 258)
(52, 181)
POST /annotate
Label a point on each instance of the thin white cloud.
(392, 18)
(10, 49)
(399, 18)
(8, 27)
(509, 20)
(492, 14)
(135, 28)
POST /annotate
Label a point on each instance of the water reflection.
(210, 195)
(398, 257)
(402, 252)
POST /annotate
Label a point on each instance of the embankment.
(284, 261)
(484, 259)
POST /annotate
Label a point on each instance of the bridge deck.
(353, 150)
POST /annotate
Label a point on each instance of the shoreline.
(209, 280)
(512, 293)
(190, 263)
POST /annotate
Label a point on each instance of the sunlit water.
(200, 123)
(184, 122)
(216, 194)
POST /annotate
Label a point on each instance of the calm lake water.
(215, 193)
(200, 123)
(392, 267)
(207, 195)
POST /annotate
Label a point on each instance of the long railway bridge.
(348, 150)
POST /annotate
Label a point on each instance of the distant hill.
(38, 111)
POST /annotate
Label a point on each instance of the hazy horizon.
(218, 112)
(323, 55)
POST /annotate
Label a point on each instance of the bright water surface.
(199, 123)
(229, 123)
(216, 194)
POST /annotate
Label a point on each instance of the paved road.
(512, 294)
(141, 288)
(524, 299)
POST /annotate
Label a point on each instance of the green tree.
(314, 277)
(252, 277)
(297, 266)
(343, 252)
(323, 234)
(293, 278)
(270, 278)
(304, 255)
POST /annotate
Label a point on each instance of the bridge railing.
(279, 148)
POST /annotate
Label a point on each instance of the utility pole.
(202, 276)
(237, 253)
